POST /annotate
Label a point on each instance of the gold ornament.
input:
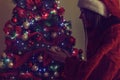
(4, 55)
(40, 58)
(26, 24)
(56, 74)
(54, 35)
(1, 64)
(37, 17)
(34, 68)
(10, 65)
(46, 74)
(57, 1)
(62, 31)
(25, 36)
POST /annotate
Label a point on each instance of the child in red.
(101, 21)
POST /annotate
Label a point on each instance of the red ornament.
(39, 38)
(20, 11)
(30, 15)
(15, 20)
(61, 11)
(30, 43)
(72, 40)
(18, 29)
(75, 52)
(38, 2)
(26, 75)
(30, 4)
(30, 65)
(55, 5)
(46, 59)
(45, 15)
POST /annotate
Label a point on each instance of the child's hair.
(98, 20)
(95, 19)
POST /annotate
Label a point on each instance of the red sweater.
(103, 55)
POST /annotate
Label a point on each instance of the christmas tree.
(35, 26)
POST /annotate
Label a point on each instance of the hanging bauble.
(26, 24)
(75, 52)
(30, 4)
(56, 74)
(30, 15)
(54, 35)
(35, 68)
(30, 64)
(1, 64)
(46, 74)
(56, 4)
(61, 11)
(14, 19)
(45, 16)
(19, 11)
(40, 58)
(39, 38)
(3, 55)
(18, 30)
(10, 64)
(25, 36)
(38, 3)
(8, 28)
(62, 30)
(37, 17)
(46, 29)
(72, 40)
(19, 52)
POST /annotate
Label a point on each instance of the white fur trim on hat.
(94, 5)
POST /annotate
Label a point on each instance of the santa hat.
(94, 5)
(113, 7)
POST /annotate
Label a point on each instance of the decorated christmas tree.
(35, 26)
